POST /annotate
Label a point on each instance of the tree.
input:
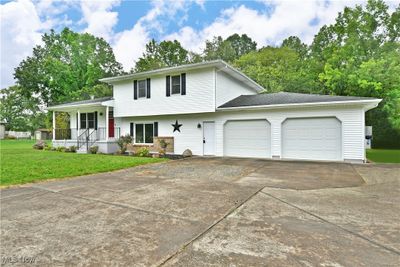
(294, 43)
(230, 49)
(359, 55)
(276, 69)
(66, 67)
(242, 44)
(19, 112)
(163, 54)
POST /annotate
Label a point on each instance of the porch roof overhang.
(92, 103)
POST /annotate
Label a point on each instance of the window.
(83, 120)
(176, 84)
(142, 88)
(144, 133)
(88, 120)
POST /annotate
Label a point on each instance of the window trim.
(144, 133)
(145, 89)
(180, 84)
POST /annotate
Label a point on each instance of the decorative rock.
(39, 145)
(187, 153)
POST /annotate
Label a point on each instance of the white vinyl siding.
(312, 138)
(229, 88)
(200, 96)
(247, 138)
(191, 137)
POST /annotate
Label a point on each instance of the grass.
(384, 155)
(20, 163)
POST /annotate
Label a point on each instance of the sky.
(129, 25)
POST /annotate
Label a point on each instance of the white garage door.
(312, 138)
(251, 138)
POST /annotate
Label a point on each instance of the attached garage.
(247, 138)
(312, 138)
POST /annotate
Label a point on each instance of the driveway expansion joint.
(209, 228)
(336, 225)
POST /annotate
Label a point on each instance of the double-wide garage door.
(302, 138)
(250, 138)
(312, 138)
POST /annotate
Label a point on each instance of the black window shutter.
(77, 120)
(131, 129)
(95, 120)
(168, 85)
(135, 89)
(148, 87)
(183, 84)
(156, 129)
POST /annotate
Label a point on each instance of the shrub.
(93, 149)
(39, 145)
(12, 137)
(61, 149)
(143, 152)
(48, 148)
(72, 149)
(53, 148)
(163, 144)
(123, 141)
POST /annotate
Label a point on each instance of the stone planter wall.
(155, 147)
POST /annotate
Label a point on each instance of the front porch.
(91, 123)
(83, 139)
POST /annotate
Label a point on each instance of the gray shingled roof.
(88, 101)
(285, 98)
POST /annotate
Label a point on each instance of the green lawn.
(384, 155)
(20, 163)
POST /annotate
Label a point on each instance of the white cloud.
(129, 45)
(265, 27)
(20, 31)
(99, 18)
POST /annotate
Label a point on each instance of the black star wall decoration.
(176, 126)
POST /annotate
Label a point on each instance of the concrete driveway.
(209, 211)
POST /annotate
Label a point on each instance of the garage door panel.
(247, 138)
(312, 138)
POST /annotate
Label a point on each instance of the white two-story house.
(215, 110)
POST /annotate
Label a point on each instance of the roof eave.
(367, 103)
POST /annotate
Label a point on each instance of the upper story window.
(176, 84)
(142, 88)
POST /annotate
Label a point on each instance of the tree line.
(358, 55)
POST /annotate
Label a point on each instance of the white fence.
(19, 135)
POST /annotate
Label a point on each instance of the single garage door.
(312, 138)
(250, 138)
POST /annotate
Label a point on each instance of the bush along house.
(213, 109)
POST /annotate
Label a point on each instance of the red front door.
(111, 127)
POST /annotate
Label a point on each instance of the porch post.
(107, 110)
(54, 125)
(79, 124)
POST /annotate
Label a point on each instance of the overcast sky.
(128, 25)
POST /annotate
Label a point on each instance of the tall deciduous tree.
(163, 54)
(276, 69)
(19, 112)
(229, 49)
(66, 67)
